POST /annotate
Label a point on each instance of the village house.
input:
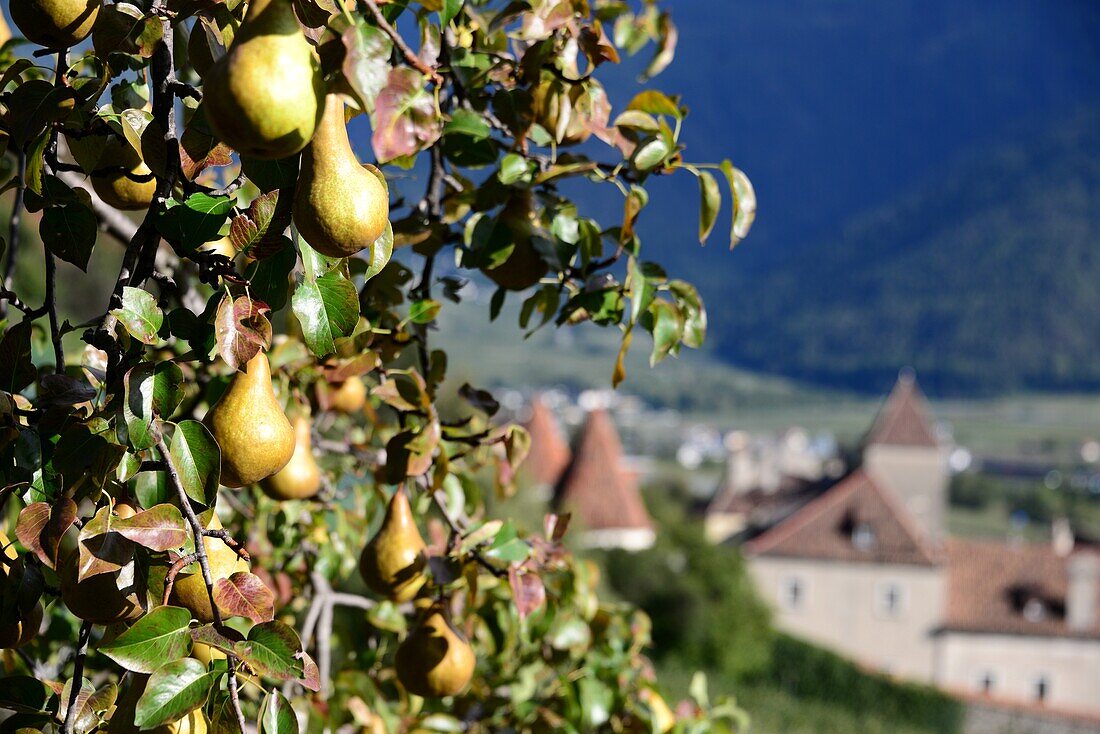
(865, 567)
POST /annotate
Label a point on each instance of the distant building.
(602, 492)
(549, 455)
(863, 566)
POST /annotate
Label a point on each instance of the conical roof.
(905, 418)
(549, 454)
(596, 487)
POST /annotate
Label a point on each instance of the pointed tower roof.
(549, 454)
(905, 418)
(854, 520)
(596, 487)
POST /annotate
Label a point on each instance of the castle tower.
(905, 453)
(549, 455)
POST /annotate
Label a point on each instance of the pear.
(524, 266)
(249, 425)
(118, 173)
(55, 23)
(206, 654)
(393, 562)
(340, 206)
(434, 660)
(301, 477)
(189, 590)
(349, 397)
(264, 97)
(16, 629)
(98, 598)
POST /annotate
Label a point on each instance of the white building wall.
(1016, 662)
(842, 609)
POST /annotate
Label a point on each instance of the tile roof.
(905, 418)
(595, 486)
(990, 583)
(549, 454)
(827, 528)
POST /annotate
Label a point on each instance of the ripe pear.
(394, 561)
(118, 173)
(264, 97)
(55, 23)
(97, 598)
(205, 654)
(340, 206)
(248, 423)
(349, 397)
(189, 590)
(435, 659)
(301, 477)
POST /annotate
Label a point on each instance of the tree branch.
(13, 225)
(410, 56)
(198, 533)
(78, 677)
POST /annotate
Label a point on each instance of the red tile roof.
(549, 454)
(905, 418)
(825, 528)
(596, 487)
(990, 583)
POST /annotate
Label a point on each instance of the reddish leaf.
(527, 590)
(101, 549)
(244, 595)
(597, 46)
(311, 676)
(160, 528)
(40, 528)
(258, 231)
(406, 119)
(554, 526)
(242, 329)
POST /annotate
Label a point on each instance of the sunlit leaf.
(160, 637)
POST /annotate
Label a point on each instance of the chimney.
(1083, 593)
(1061, 536)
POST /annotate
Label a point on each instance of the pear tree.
(239, 491)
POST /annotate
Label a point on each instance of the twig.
(410, 56)
(197, 532)
(170, 579)
(322, 588)
(458, 531)
(78, 677)
(229, 540)
(51, 309)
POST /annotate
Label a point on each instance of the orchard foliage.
(109, 475)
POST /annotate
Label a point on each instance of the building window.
(1034, 610)
(863, 536)
(987, 682)
(792, 593)
(1041, 689)
(889, 599)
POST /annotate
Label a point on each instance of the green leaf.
(513, 168)
(140, 315)
(449, 11)
(194, 221)
(650, 155)
(380, 252)
(424, 311)
(655, 103)
(198, 460)
(467, 123)
(328, 309)
(667, 329)
(16, 369)
(710, 202)
(23, 694)
(507, 545)
(273, 651)
(269, 278)
(744, 202)
(159, 637)
(366, 61)
(70, 232)
(173, 691)
(151, 390)
(276, 715)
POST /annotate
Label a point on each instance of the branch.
(78, 677)
(198, 532)
(13, 228)
(457, 530)
(410, 56)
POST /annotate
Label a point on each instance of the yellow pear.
(222, 246)
(117, 171)
(206, 654)
(340, 206)
(97, 598)
(248, 423)
(394, 561)
(55, 23)
(301, 477)
(189, 590)
(5, 30)
(434, 660)
(264, 97)
(349, 396)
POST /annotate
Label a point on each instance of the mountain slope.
(985, 280)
